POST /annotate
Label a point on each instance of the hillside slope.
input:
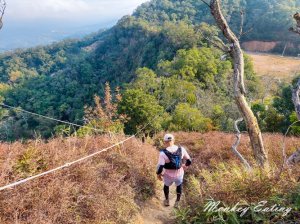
(120, 186)
(285, 68)
(109, 188)
(60, 79)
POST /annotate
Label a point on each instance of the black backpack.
(175, 159)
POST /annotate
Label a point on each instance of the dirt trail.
(154, 212)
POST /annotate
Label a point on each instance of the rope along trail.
(49, 118)
(75, 161)
(63, 166)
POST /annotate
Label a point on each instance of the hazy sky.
(79, 11)
(38, 22)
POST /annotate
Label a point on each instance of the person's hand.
(184, 167)
(159, 176)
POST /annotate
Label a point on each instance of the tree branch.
(237, 55)
(2, 11)
(246, 32)
(296, 98)
(236, 144)
(220, 44)
(242, 33)
(297, 28)
(229, 35)
(205, 3)
(294, 158)
(242, 24)
(291, 160)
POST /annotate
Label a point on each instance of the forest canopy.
(161, 50)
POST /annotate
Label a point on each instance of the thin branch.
(284, 156)
(2, 7)
(236, 144)
(229, 35)
(294, 158)
(284, 141)
(248, 31)
(2, 11)
(296, 98)
(242, 33)
(206, 3)
(242, 24)
(220, 45)
(297, 28)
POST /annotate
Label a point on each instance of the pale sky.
(82, 11)
(38, 22)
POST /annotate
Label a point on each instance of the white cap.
(169, 137)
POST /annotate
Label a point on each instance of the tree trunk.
(297, 28)
(294, 158)
(296, 91)
(236, 144)
(239, 88)
(296, 99)
(2, 11)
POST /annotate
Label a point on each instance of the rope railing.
(66, 165)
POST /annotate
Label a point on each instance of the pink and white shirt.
(163, 159)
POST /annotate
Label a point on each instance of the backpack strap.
(173, 165)
(179, 151)
(169, 154)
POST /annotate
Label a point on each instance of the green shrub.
(188, 118)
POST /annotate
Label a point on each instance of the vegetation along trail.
(68, 109)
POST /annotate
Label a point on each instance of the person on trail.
(170, 167)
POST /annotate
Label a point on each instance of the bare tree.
(296, 90)
(296, 98)
(297, 28)
(236, 144)
(295, 157)
(236, 53)
(2, 11)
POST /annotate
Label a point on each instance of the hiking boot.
(167, 202)
(176, 205)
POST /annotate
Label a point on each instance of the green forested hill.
(58, 80)
(269, 19)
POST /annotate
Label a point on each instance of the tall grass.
(217, 175)
(112, 187)
(105, 189)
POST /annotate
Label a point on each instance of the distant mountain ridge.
(12, 37)
(59, 79)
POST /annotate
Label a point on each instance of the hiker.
(170, 168)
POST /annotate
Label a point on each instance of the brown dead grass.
(105, 189)
(212, 147)
(218, 174)
(113, 187)
(275, 65)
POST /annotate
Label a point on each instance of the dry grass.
(218, 174)
(105, 189)
(112, 187)
(275, 65)
(211, 148)
(214, 147)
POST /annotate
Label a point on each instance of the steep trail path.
(154, 212)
